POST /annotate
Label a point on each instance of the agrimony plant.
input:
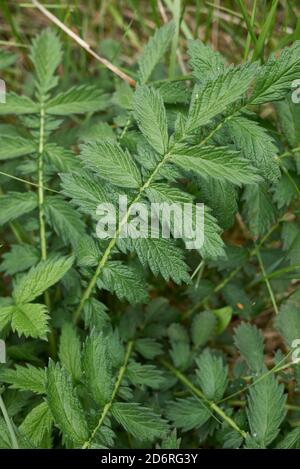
(116, 335)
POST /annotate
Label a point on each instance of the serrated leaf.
(95, 315)
(97, 368)
(266, 410)
(276, 76)
(220, 163)
(221, 197)
(206, 63)
(284, 191)
(148, 348)
(46, 54)
(110, 162)
(211, 375)
(213, 245)
(40, 278)
(64, 219)
(77, 100)
(258, 210)
(124, 281)
(212, 98)
(256, 145)
(288, 322)
(37, 424)
(122, 97)
(84, 191)
(87, 252)
(144, 375)
(150, 114)
(171, 441)
(188, 414)
(6, 313)
(18, 105)
(249, 340)
(13, 147)
(140, 422)
(154, 50)
(30, 319)
(61, 158)
(162, 192)
(291, 242)
(163, 257)
(289, 120)
(25, 378)
(70, 351)
(65, 406)
(19, 258)
(291, 440)
(173, 92)
(15, 204)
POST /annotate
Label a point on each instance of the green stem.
(239, 403)
(41, 184)
(16, 232)
(107, 407)
(198, 269)
(11, 176)
(219, 126)
(41, 200)
(198, 393)
(9, 425)
(289, 152)
(275, 369)
(274, 274)
(266, 280)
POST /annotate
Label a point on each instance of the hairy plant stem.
(108, 406)
(41, 184)
(41, 200)
(14, 441)
(198, 393)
